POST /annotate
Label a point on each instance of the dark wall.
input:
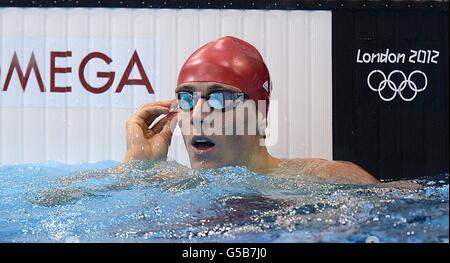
(396, 138)
(239, 4)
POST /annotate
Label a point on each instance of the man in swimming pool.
(217, 83)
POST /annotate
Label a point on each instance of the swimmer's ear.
(262, 124)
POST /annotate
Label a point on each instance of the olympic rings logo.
(406, 82)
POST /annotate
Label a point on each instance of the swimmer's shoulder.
(335, 171)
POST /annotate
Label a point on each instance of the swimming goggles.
(217, 100)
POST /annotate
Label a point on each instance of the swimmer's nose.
(200, 111)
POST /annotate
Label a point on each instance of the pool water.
(94, 202)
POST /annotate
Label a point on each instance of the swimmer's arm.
(340, 172)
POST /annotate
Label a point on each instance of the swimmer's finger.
(145, 111)
(156, 128)
(145, 116)
(168, 128)
(164, 103)
(160, 124)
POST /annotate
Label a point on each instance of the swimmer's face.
(216, 138)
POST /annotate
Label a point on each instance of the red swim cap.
(230, 61)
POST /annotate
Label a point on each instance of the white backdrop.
(80, 126)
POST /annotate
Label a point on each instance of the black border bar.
(286, 252)
(437, 5)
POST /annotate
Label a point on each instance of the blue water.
(57, 202)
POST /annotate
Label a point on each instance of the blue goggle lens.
(216, 100)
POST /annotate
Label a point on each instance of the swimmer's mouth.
(202, 143)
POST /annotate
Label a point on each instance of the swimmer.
(219, 79)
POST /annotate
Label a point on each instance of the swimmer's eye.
(185, 100)
(218, 100)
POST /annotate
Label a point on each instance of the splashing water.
(56, 202)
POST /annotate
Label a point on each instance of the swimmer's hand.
(144, 143)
